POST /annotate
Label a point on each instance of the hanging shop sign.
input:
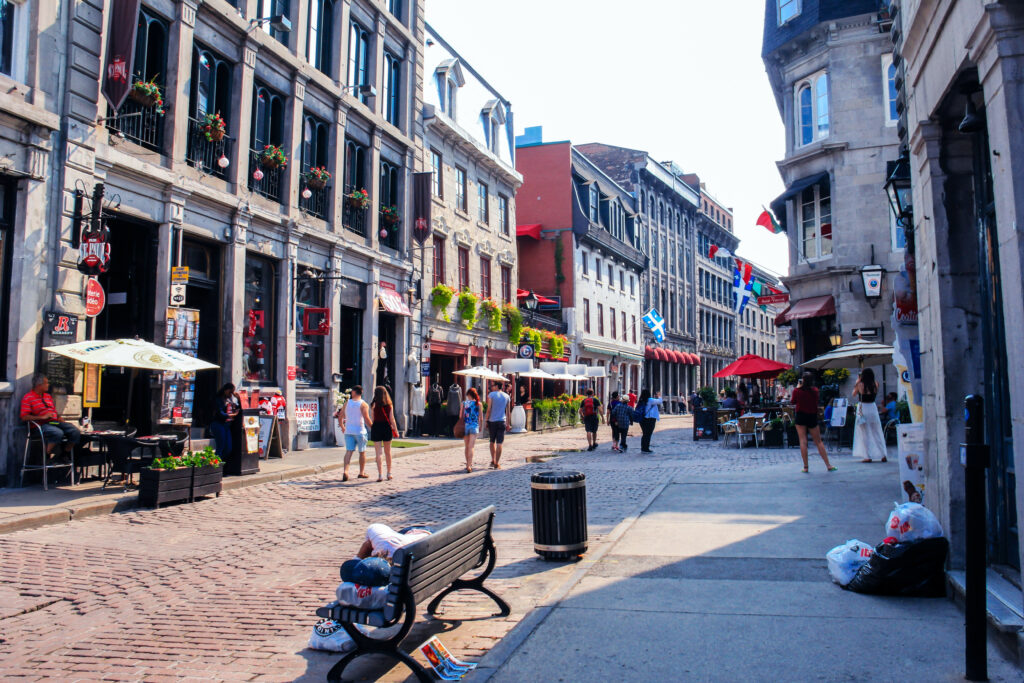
(94, 250)
(769, 299)
(421, 206)
(95, 298)
(61, 325)
(119, 67)
(526, 351)
(316, 321)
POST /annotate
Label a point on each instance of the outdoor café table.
(100, 438)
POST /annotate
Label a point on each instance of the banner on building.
(421, 188)
(118, 69)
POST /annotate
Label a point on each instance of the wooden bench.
(429, 567)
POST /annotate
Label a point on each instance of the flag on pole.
(656, 323)
(742, 285)
(716, 251)
(767, 220)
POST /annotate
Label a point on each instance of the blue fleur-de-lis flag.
(656, 323)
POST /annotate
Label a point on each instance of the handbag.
(459, 430)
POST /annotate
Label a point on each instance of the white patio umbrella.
(481, 372)
(537, 374)
(859, 353)
(130, 353)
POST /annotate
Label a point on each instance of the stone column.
(338, 186)
(179, 78)
(293, 130)
(234, 298)
(370, 331)
(239, 128)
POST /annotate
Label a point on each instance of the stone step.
(1004, 602)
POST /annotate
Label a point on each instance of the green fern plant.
(467, 308)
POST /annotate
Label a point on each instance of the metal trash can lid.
(557, 477)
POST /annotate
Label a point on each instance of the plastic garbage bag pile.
(909, 561)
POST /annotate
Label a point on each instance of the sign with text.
(61, 325)
(91, 386)
(177, 295)
(307, 414)
(179, 275)
(770, 299)
(95, 298)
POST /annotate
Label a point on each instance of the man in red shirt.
(37, 406)
(632, 399)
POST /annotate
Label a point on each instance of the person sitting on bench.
(37, 406)
(372, 564)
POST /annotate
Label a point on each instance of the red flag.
(767, 220)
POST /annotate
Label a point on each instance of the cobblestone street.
(225, 589)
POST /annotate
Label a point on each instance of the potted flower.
(166, 480)
(317, 178)
(207, 472)
(490, 310)
(389, 215)
(340, 399)
(440, 296)
(213, 128)
(147, 93)
(467, 308)
(273, 157)
(358, 199)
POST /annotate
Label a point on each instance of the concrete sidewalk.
(723, 578)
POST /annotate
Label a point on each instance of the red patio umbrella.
(522, 294)
(754, 366)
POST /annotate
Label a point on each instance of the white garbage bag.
(363, 597)
(844, 560)
(329, 635)
(912, 522)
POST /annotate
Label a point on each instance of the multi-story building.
(31, 153)
(470, 148)
(241, 152)
(958, 71)
(666, 215)
(583, 246)
(829, 66)
(716, 309)
(756, 332)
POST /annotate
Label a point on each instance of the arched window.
(392, 88)
(318, 35)
(150, 47)
(358, 59)
(315, 135)
(267, 118)
(812, 115)
(211, 84)
(806, 115)
(355, 166)
(821, 88)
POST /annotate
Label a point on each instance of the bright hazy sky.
(680, 79)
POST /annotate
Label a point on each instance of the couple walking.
(620, 416)
(499, 408)
(353, 419)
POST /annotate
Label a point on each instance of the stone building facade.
(470, 148)
(828, 63)
(666, 216)
(960, 69)
(271, 252)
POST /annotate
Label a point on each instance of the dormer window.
(787, 10)
(493, 118)
(449, 79)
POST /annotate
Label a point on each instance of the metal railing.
(391, 241)
(317, 204)
(204, 154)
(139, 124)
(352, 217)
(269, 185)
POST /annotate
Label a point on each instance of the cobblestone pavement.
(225, 589)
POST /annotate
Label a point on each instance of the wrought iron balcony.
(353, 217)
(270, 179)
(391, 241)
(317, 204)
(139, 123)
(204, 154)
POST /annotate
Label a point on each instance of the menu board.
(178, 388)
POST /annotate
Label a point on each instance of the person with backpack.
(612, 403)
(647, 412)
(590, 412)
(621, 418)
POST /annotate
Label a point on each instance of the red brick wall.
(546, 198)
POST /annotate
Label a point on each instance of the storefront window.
(309, 346)
(258, 348)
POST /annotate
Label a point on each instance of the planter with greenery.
(440, 296)
(514, 324)
(556, 344)
(547, 412)
(173, 478)
(709, 396)
(389, 216)
(358, 199)
(490, 311)
(147, 93)
(317, 178)
(533, 337)
(273, 157)
(213, 128)
(207, 473)
(466, 307)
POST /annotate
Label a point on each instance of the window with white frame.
(593, 203)
(787, 10)
(892, 116)
(13, 39)
(503, 224)
(816, 222)
(812, 119)
(449, 79)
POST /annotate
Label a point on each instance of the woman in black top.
(223, 410)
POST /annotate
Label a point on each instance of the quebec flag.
(656, 323)
(742, 285)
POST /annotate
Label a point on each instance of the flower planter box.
(164, 486)
(792, 438)
(314, 183)
(214, 134)
(142, 98)
(772, 438)
(269, 163)
(207, 480)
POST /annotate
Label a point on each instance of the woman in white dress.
(868, 440)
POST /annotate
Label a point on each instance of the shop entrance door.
(130, 285)
(203, 293)
(386, 327)
(350, 332)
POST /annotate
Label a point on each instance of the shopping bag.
(459, 430)
(912, 522)
(329, 635)
(845, 560)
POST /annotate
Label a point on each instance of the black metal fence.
(204, 154)
(271, 180)
(353, 217)
(139, 124)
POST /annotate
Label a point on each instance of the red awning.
(529, 230)
(661, 354)
(522, 294)
(814, 307)
(687, 358)
(649, 353)
(677, 357)
(696, 358)
(391, 301)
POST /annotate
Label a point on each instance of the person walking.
(622, 414)
(499, 409)
(649, 409)
(383, 427)
(868, 439)
(353, 421)
(469, 413)
(805, 408)
(609, 417)
(223, 412)
(590, 411)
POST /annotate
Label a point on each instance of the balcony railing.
(139, 124)
(316, 205)
(269, 185)
(204, 154)
(391, 241)
(352, 217)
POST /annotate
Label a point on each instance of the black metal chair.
(121, 458)
(37, 438)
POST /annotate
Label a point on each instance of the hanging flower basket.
(273, 157)
(389, 215)
(213, 128)
(358, 199)
(147, 93)
(317, 178)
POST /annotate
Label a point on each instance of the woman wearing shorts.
(470, 415)
(805, 404)
(383, 426)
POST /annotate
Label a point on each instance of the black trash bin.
(559, 514)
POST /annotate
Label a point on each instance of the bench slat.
(431, 582)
